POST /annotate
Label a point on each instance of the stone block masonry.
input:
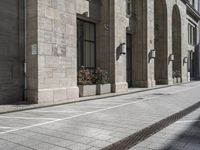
(43, 34)
(55, 60)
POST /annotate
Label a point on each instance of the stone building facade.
(43, 42)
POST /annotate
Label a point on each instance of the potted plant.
(86, 83)
(177, 76)
(102, 81)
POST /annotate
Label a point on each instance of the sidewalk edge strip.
(90, 99)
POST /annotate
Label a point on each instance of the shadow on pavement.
(188, 140)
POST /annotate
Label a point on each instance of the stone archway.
(176, 43)
(161, 65)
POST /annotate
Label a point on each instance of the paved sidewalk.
(93, 125)
(23, 105)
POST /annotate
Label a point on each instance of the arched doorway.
(176, 43)
(161, 65)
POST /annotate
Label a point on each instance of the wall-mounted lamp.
(171, 57)
(153, 54)
(185, 59)
(123, 48)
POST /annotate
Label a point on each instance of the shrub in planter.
(102, 81)
(85, 77)
(85, 82)
(101, 76)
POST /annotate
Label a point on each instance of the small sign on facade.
(34, 49)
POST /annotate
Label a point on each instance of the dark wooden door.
(129, 59)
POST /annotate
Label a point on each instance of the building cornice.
(191, 10)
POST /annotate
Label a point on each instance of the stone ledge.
(120, 87)
(52, 96)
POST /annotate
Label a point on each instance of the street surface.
(94, 125)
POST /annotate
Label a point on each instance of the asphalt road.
(97, 124)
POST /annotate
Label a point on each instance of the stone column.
(184, 41)
(111, 33)
(143, 37)
(31, 59)
(52, 51)
(119, 24)
(103, 54)
(169, 41)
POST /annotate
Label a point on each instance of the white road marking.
(26, 118)
(188, 121)
(92, 112)
(46, 111)
(75, 116)
(79, 106)
(183, 90)
(1, 127)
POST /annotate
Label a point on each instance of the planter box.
(174, 80)
(87, 90)
(177, 80)
(103, 89)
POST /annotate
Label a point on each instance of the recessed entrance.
(161, 65)
(12, 52)
(176, 43)
(191, 65)
(129, 59)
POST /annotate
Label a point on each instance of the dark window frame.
(192, 34)
(81, 51)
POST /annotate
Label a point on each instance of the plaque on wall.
(34, 49)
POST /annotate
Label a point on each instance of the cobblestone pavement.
(96, 124)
